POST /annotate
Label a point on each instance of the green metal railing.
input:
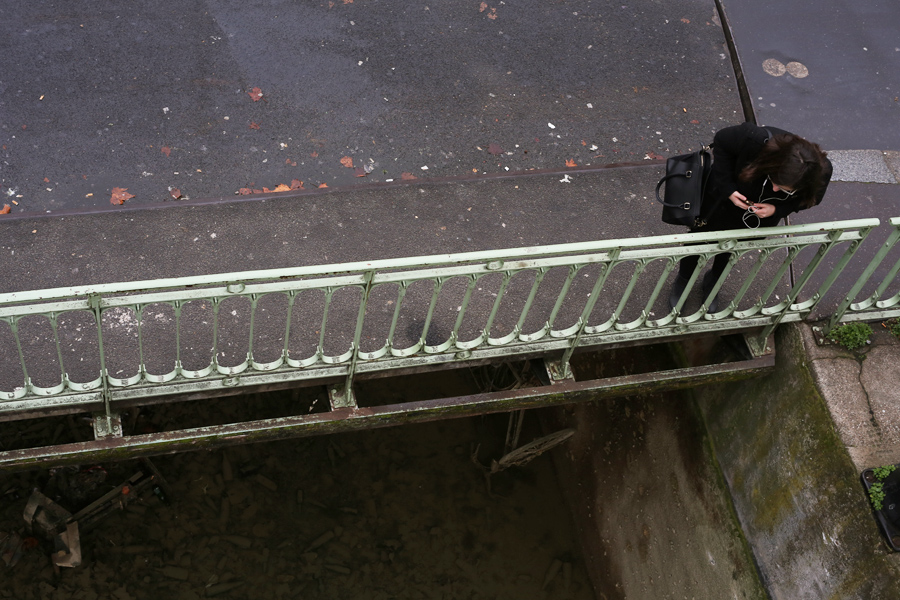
(97, 345)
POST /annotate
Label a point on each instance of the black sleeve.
(729, 145)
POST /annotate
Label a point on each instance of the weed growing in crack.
(851, 335)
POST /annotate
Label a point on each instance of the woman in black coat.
(759, 176)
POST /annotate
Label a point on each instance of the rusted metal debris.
(47, 519)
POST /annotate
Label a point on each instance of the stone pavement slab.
(860, 389)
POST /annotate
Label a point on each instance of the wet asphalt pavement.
(828, 70)
(209, 98)
(156, 95)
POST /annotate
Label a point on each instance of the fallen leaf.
(266, 190)
(120, 195)
(570, 163)
(296, 184)
(493, 14)
(359, 172)
(315, 155)
(166, 150)
(282, 188)
(254, 125)
(695, 122)
(288, 161)
(495, 149)
(407, 176)
(323, 185)
(347, 162)
(256, 94)
(685, 20)
(653, 156)
(5, 210)
(482, 7)
(46, 180)
(245, 191)
(175, 193)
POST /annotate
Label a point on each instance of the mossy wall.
(646, 496)
(796, 492)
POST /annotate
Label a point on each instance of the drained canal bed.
(393, 513)
(630, 505)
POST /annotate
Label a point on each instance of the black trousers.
(688, 264)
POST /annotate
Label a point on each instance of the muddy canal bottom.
(392, 513)
(630, 506)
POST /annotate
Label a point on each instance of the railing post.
(344, 397)
(562, 371)
(758, 345)
(107, 423)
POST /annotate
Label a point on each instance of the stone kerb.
(862, 392)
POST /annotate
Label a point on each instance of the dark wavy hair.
(789, 160)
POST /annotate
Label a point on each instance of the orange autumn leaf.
(120, 195)
(570, 163)
(323, 185)
(245, 191)
(256, 94)
(347, 162)
(296, 184)
(315, 154)
(5, 210)
(359, 172)
(166, 150)
(282, 188)
(254, 125)
(407, 176)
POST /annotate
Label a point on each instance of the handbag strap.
(704, 152)
(683, 206)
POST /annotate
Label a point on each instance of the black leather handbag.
(685, 183)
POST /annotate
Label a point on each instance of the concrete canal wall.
(740, 490)
(791, 447)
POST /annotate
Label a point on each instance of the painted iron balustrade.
(86, 347)
(874, 306)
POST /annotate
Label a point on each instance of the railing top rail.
(430, 261)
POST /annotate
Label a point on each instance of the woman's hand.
(763, 210)
(739, 200)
